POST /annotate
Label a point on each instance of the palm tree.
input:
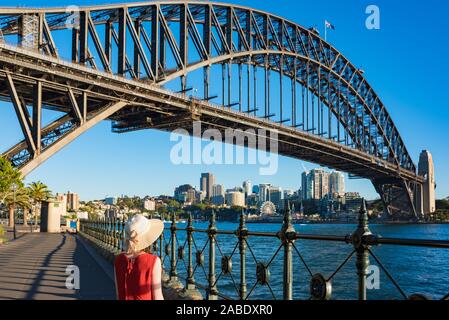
(18, 199)
(38, 192)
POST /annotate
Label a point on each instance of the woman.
(137, 273)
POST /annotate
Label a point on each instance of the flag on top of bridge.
(329, 25)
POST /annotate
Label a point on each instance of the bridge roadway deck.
(33, 267)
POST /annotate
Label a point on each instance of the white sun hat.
(141, 232)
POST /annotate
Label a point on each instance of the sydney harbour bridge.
(165, 64)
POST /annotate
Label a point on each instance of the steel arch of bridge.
(136, 42)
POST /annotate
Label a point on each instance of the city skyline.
(130, 157)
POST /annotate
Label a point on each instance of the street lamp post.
(14, 189)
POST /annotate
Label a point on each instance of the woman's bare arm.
(156, 284)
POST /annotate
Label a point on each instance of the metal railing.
(173, 252)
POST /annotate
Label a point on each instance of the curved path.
(33, 267)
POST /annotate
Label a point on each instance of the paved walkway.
(33, 267)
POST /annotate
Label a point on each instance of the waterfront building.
(149, 204)
(247, 188)
(336, 183)
(181, 192)
(352, 201)
(252, 200)
(73, 201)
(314, 184)
(200, 196)
(218, 195)
(235, 199)
(191, 196)
(426, 203)
(320, 183)
(276, 196)
(206, 182)
(264, 192)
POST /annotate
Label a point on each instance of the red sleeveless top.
(134, 278)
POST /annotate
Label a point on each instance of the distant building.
(336, 183)
(73, 202)
(247, 188)
(111, 201)
(315, 184)
(352, 201)
(288, 194)
(256, 189)
(235, 199)
(252, 200)
(61, 200)
(306, 186)
(181, 192)
(426, 196)
(200, 196)
(276, 196)
(149, 204)
(218, 194)
(206, 182)
(191, 196)
(264, 192)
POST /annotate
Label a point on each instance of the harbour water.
(416, 270)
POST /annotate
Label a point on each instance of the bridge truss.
(273, 74)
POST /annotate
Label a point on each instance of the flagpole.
(325, 31)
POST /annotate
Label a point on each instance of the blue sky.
(405, 62)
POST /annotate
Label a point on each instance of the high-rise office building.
(206, 182)
(314, 184)
(426, 195)
(276, 196)
(264, 192)
(304, 185)
(218, 194)
(247, 188)
(320, 183)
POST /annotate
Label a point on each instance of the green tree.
(38, 192)
(9, 177)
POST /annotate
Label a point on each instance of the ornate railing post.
(114, 234)
(108, 232)
(173, 279)
(103, 228)
(190, 289)
(122, 234)
(212, 231)
(120, 230)
(287, 236)
(362, 261)
(242, 234)
(190, 283)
